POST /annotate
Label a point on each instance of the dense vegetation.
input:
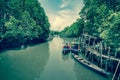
(22, 22)
(53, 33)
(102, 19)
(74, 30)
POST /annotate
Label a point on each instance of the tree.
(75, 29)
(111, 34)
(22, 20)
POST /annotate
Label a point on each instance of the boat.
(91, 66)
(49, 38)
(75, 47)
(66, 49)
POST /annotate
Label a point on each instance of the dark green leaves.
(22, 20)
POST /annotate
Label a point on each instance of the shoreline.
(4, 46)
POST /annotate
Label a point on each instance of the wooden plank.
(98, 54)
(86, 35)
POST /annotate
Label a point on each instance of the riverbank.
(6, 45)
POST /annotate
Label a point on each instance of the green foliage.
(111, 34)
(22, 20)
(24, 29)
(11, 28)
(74, 30)
(52, 33)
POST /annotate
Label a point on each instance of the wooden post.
(118, 77)
(115, 53)
(106, 65)
(97, 47)
(89, 41)
(83, 41)
(92, 57)
(86, 53)
(105, 46)
(116, 70)
(81, 44)
(94, 43)
(108, 54)
(101, 55)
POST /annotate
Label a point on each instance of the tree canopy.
(73, 30)
(102, 19)
(22, 21)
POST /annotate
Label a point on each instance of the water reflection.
(65, 57)
(56, 45)
(25, 64)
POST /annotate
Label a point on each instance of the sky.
(61, 13)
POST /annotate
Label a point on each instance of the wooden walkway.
(95, 46)
(98, 54)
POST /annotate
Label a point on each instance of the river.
(43, 62)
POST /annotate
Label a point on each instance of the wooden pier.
(95, 46)
(99, 54)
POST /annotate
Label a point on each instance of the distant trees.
(22, 21)
(76, 29)
(52, 33)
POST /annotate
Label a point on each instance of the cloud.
(65, 3)
(63, 19)
(62, 13)
(67, 13)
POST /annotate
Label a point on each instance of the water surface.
(43, 62)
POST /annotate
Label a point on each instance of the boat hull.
(75, 51)
(75, 47)
(65, 51)
(91, 66)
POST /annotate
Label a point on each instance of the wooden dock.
(96, 46)
(99, 54)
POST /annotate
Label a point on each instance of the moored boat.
(75, 47)
(66, 49)
(91, 65)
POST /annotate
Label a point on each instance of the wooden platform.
(98, 54)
